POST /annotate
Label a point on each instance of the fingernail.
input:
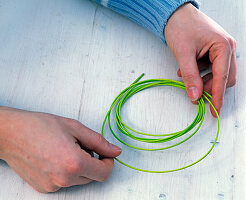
(115, 148)
(193, 93)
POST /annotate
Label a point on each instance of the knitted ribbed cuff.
(152, 14)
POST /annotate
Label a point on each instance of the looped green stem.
(138, 86)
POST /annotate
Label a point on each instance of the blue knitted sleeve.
(152, 14)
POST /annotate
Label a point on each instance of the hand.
(45, 150)
(196, 40)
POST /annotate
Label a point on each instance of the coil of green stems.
(138, 86)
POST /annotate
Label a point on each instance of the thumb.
(191, 76)
(94, 141)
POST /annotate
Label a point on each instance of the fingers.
(207, 82)
(98, 170)
(81, 164)
(233, 70)
(81, 181)
(220, 56)
(61, 181)
(78, 180)
(89, 167)
(94, 141)
(191, 76)
(82, 147)
(224, 71)
(202, 63)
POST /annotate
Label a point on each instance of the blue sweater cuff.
(152, 14)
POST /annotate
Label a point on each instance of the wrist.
(184, 11)
(179, 19)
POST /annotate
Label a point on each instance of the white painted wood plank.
(72, 58)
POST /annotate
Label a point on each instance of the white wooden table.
(72, 57)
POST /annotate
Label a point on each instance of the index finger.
(220, 55)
